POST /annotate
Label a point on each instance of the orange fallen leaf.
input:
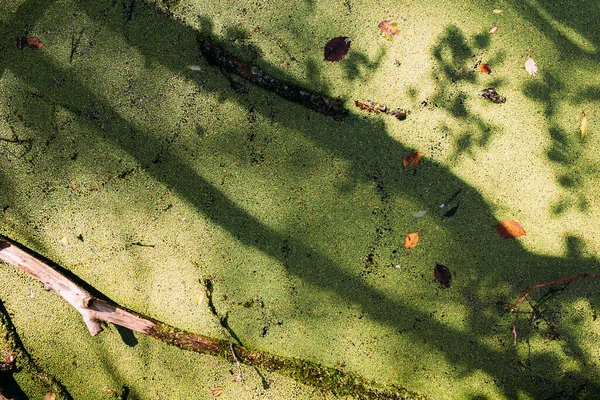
(493, 30)
(412, 160)
(411, 240)
(389, 28)
(484, 68)
(509, 229)
(217, 392)
(49, 396)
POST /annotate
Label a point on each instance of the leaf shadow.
(373, 159)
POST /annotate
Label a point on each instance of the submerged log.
(219, 57)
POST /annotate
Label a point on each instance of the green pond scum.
(143, 170)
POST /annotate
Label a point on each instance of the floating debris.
(377, 108)
(492, 95)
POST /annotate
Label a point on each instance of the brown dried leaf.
(509, 229)
(49, 396)
(9, 358)
(389, 28)
(412, 160)
(34, 43)
(492, 95)
(442, 274)
(493, 30)
(337, 48)
(411, 240)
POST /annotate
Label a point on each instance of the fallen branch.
(96, 311)
(523, 296)
(218, 56)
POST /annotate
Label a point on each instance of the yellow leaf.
(411, 240)
(496, 11)
(216, 392)
(584, 127)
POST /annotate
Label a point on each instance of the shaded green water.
(143, 177)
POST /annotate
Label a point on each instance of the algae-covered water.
(130, 161)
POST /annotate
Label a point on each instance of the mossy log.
(95, 311)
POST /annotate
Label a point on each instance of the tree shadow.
(373, 159)
(456, 77)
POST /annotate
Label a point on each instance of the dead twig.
(229, 64)
(377, 108)
(239, 376)
(523, 296)
(225, 329)
(75, 42)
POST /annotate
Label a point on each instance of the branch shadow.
(373, 157)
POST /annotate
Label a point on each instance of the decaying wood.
(218, 56)
(95, 311)
(377, 108)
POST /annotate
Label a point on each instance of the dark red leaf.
(337, 48)
(442, 274)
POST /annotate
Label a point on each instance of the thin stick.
(225, 330)
(239, 377)
(527, 292)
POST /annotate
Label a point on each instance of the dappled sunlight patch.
(146, 177)
(572, 35)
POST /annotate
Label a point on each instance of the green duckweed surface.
(144, 177)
